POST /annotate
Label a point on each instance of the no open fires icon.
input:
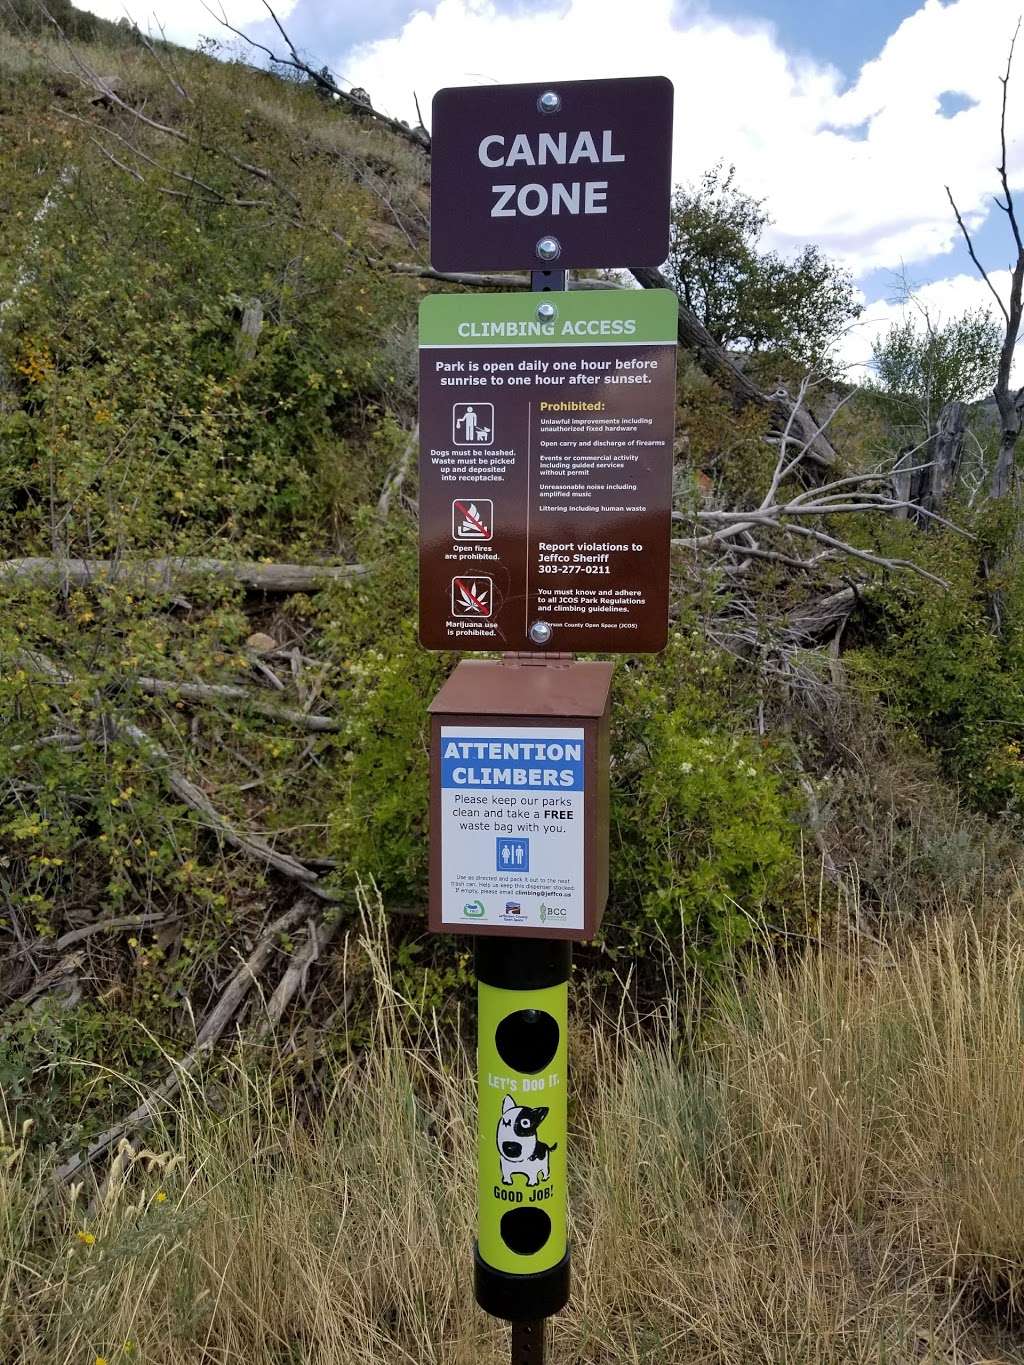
(472, 596)
(472, 520)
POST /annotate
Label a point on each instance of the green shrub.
(938, 658)
(704, 835)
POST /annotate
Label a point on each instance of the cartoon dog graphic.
(522, 1152)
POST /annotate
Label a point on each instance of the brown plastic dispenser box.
(553, 712)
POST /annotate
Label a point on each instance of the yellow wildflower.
(86, 1238)
(160, 1197)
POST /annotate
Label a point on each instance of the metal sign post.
(546, 450)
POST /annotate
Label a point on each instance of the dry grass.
(832, 1173)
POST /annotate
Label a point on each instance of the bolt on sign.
(577, 172)
(546, 435)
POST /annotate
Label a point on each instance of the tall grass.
(829, 1171)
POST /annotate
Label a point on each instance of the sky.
(848, 116)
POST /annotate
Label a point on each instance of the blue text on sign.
(501, 764)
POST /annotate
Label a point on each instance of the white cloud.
(859, 170)
(184, 20)
(792, 130)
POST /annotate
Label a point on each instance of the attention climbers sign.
(512, 826)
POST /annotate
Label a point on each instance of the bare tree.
(1009, 401)
(324, 80)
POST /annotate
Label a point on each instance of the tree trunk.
(903, 478)
(932, 484)
(1002, 473)
(948, 453)
(249, 335)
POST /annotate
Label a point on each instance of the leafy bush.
(749, 298)
(704, 835)
(379, 824)
(934, 657)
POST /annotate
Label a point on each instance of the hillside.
(208, 373)
(213, 771)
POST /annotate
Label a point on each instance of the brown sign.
(573, 173)
(546, 470)
(519, 799)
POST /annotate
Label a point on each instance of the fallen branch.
(163, 687)
(160, 687)
(189, 691)
(472, 280)
(160, 574)
(323, 80)
(230, 1002)
(254, 845)
(732, 533)
(393, 486)
(65, 972)
(318, 935)
(105, 91)
(820, 618)
(106, 926)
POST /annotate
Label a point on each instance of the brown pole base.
(528, 1340)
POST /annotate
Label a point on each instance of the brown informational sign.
(546, 470)
(573, 173)
(519, 799)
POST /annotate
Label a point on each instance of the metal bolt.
(547, 311)
(549, 248)
(550, 102)
(540, 632)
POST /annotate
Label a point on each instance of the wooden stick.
(159, 574)
(106, 926)
(477, 281)
(319, 934)
(161, 687)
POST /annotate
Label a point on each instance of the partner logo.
(473, 909)
(513, 908)
(552, 912)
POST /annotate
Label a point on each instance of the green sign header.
(599, 317)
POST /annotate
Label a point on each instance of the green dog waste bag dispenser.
(519, 859)
(522, 1250)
